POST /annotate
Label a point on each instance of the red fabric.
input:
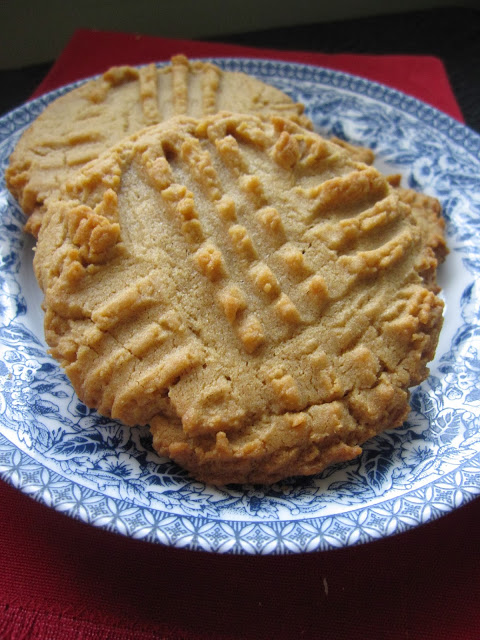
(63, 580)
(91, 52)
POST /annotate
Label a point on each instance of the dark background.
(451, 34)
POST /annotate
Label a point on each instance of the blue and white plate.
(68, 457)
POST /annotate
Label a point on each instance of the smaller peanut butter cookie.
(80, 125)
(243, 286)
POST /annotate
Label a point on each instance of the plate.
(68, 457)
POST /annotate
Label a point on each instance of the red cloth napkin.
(64, 580)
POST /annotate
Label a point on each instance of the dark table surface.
(453, 35)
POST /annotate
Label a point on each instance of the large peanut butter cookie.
(244, 287)
(80, 125)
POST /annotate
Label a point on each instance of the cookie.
(356, 152)
(426, 210)
(244, 287)
(80, 125)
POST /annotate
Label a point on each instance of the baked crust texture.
(78, 126)
(250, 290)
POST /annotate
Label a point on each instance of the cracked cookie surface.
(77, 127)
(244, 287)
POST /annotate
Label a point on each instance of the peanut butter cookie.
(243, 286)
(80, 125)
